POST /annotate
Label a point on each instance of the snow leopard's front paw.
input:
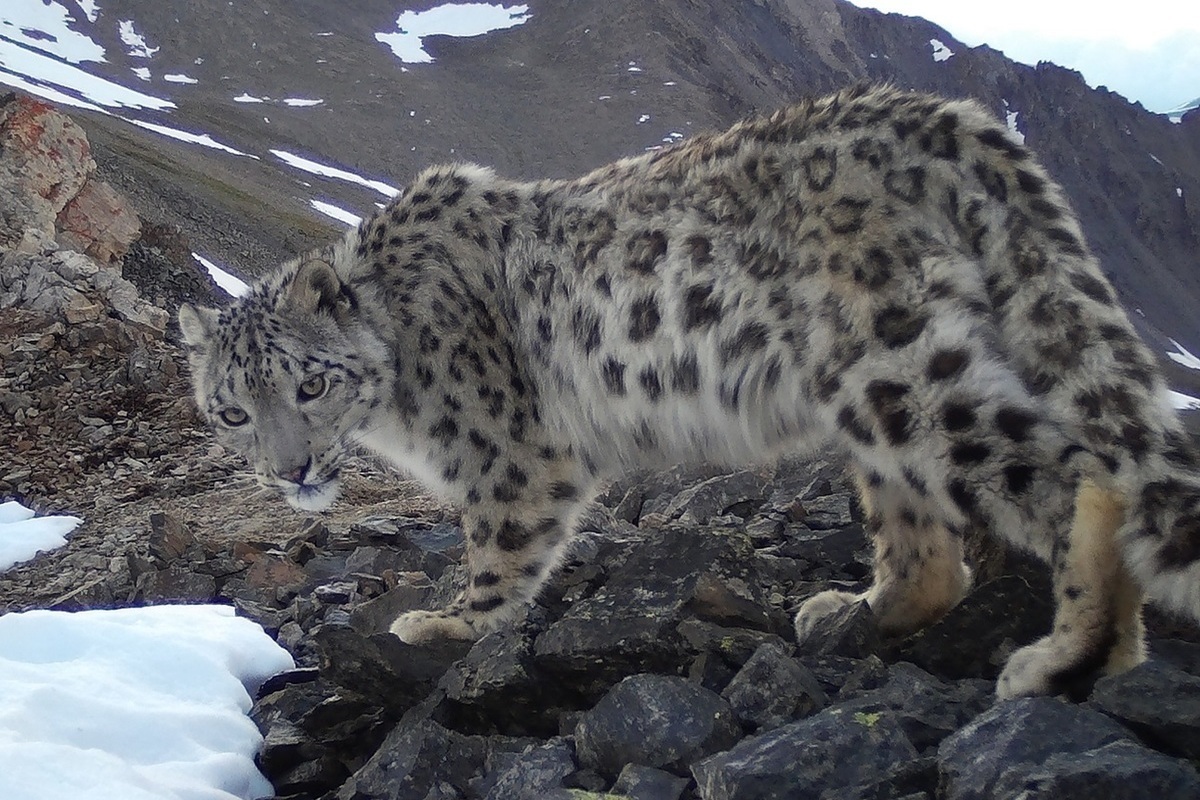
(417, 627)
(1031, 670)
(820, 606)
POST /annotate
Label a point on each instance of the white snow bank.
(232, 284)
(317, 168)
(45, 26)
(452, 19)
(23, 535)
(340, 214)
(1181, 401)
(940, 51)
(132, 704)
(1182, 356)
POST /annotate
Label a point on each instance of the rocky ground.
(659, 664)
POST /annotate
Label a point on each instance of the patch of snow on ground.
(452, 19)
(633, 67)
(246, 97)
(44, 26)
(940, 51)
(141, 72)
(179, 78)
(1183, 402)
(89, 8)
(135, 42)
(1178, 191)
(1010, 119)
(1182, 356)
(340, 214)
(316, 168)
(232, 284)
(135, 703)
(51, 79)
(23, 535)
(643, 118)
(1157, 160)
(301, 102)
(202, 139)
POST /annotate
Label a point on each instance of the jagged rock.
(537, 773)
(98, 222)
(655, 721)
(994, 619)
(850, 631)
(772, 689)
(45, 160)
(1019, 738)
(1117, 771)
(926, 708)
(739, 493)
(832, 750)
(837, 554)
(638, 782)
(1159, 702)
(630, 623)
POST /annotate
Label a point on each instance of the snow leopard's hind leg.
(919, 569)
(1098, 618)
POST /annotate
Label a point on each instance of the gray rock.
(1118, 771)
(629, 625)
(849, 632)
(1018, 738)
(537, 774)
(831, 751)
(656, 721)
(638, 782)
(740, 493)
(971, 640)
(419, 759)
(773, 689)
(1159, 702)
(926, 708)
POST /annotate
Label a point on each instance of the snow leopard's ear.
(197, 325)
(317, 289)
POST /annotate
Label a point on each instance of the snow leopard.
(885, 272)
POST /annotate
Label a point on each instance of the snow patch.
(60, 82)
(340, 214)
(452, 19)
(643, 118)
(246, 97)
(134, 703)
(202, 139)
(23, 535)
(89, 9)
(45, 26)
(940, 51)
(135, 43)
(142, 72)
(1182, 402)
(1182, 356)
(316, 168)
(179, 78)
(1010, 119)
(301, 102)
(232, 284)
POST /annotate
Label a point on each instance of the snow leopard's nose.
(296, 474)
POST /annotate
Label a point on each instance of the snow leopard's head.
(287, 375)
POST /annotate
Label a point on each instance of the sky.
(1148, 51)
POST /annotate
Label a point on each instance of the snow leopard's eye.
(312, 388)
(234, 417)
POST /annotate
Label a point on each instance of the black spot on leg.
(487, 604)
(958, 417)
(969, 453)
(613, 373)
(700, 308)
(947, 364)
(849, 422)
(1015, 423)
(887, 400)
(486, 578)
(513, 536)
(962, 496)
(445, 430)
(1093, 287)
(685, 373)
(898, 326)
(562, 490)
(651, 384)
(643, 318)
(645, 250)
(750, 338)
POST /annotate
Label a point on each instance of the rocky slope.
(659, 664)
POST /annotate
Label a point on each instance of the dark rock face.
(654, 721)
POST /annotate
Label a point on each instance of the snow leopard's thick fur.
(890, 272)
